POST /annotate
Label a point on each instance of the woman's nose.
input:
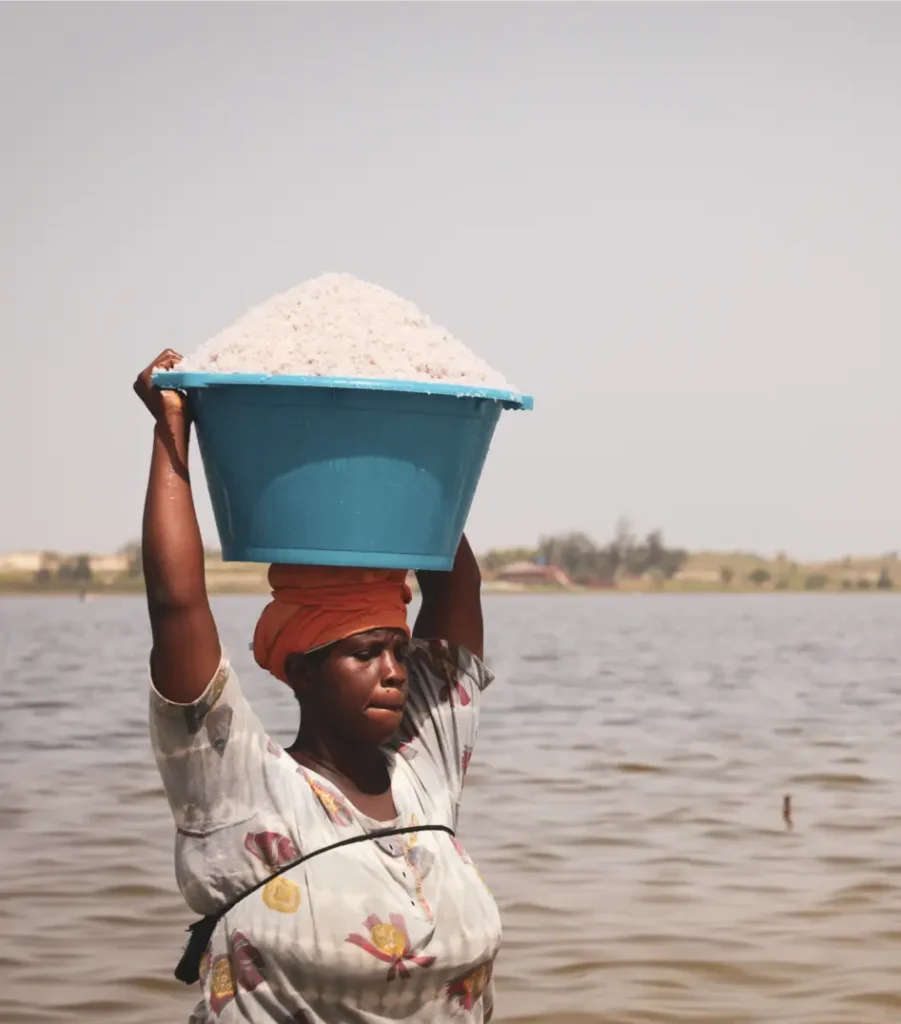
(395, 672)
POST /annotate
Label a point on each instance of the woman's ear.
(298, 672)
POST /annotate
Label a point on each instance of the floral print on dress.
(275, 851)
(247, 962)
(420, 861)
(272, 848)
(464, 762)
(446, 658)
(468, 990)
(464, 856)
(282, 894)
(417, 858)
(406, 751)
(404, 738)
(458, 846)
(222, 984)
(334, 805)
(204, 970)
(389, 941)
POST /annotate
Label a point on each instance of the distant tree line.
(814, 581)
(626, 554)
(587, 562)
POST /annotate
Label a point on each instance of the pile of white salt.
(339, 326)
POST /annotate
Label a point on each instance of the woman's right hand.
(161, 403)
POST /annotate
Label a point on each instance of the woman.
(387, 918)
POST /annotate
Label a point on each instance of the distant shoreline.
(516, 572)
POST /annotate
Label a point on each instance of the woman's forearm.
(172, 545)
(452, 603)
(186, 650)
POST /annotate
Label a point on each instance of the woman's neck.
(365, 768)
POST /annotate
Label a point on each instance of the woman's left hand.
(162, 404)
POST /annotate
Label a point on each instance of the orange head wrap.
(313, 606)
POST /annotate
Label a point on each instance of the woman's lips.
(389, 703)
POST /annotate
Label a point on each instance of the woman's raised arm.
(452, 603)
(186, 650)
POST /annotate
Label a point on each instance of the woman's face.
(359, 687)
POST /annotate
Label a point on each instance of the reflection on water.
(625, 805)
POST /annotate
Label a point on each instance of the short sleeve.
(210, 755)
(442, 716)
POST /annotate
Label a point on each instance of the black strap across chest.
(201, 932)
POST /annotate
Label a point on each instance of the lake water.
(624, 804)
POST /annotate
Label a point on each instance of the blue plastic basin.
(329, 471)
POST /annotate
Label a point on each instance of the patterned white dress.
(398, 928)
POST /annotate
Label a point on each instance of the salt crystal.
(339, 326)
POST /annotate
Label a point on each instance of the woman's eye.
(368, 653)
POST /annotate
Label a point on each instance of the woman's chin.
(384, 721)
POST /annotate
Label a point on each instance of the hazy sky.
(678, 226)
